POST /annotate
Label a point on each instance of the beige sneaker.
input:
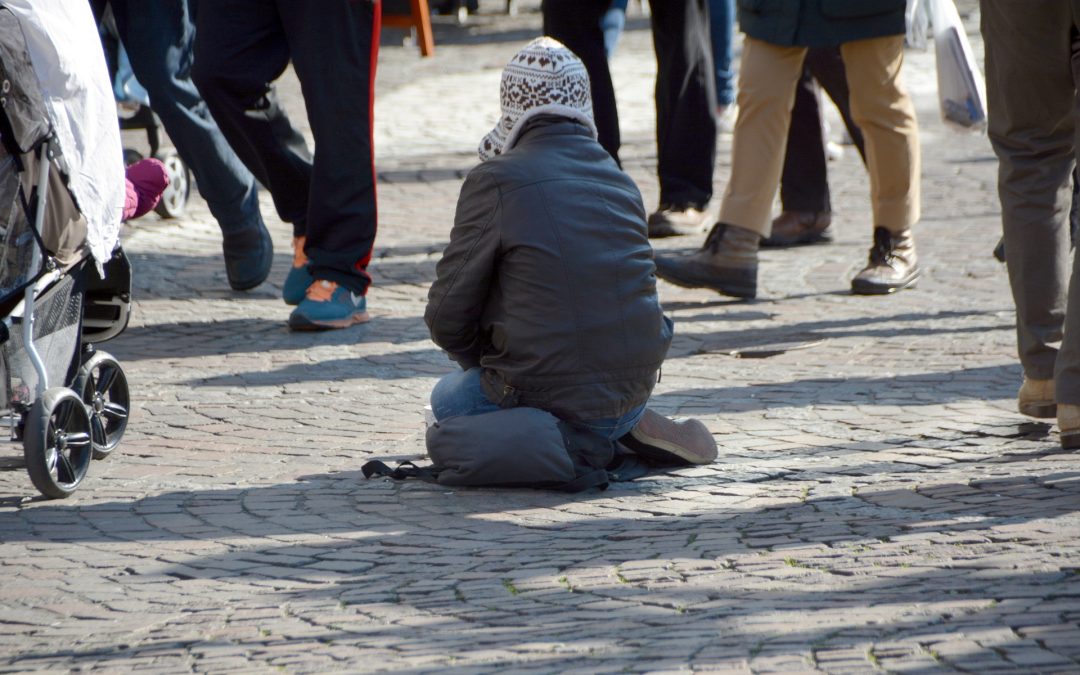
(1068, 416)
(1036, 398)
(670, 442)
(674, 221)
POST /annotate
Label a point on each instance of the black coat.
(548, 281)
(820, 23)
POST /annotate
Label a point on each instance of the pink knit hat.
(543, 78)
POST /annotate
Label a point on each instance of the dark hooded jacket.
(548, 281)
(820, 23)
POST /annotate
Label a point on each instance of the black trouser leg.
(827, 67)
(804, 184)
(685, 101)
(576, 24)
(334, 52)
(240, 49)
(242, 46)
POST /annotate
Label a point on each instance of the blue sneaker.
(327, 306)
(299, 278)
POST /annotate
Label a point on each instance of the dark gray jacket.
(548, 281)
(820, 23)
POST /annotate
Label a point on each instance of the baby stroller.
(64, 400)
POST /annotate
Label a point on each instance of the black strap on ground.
(403, 471)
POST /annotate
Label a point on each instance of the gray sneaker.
(674, 221)
(670, 442)
(727, 263)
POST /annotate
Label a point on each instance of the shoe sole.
(819, 238)
(662, 452)
(1070, 440)
(860, 287)
(303, 323)
(730, 290)
(665, 230)
(1039, 409)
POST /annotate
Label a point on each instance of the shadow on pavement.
(783, 335)
(922, 389)
(740, 574)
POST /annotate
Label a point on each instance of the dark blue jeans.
(159, 38)
(722, 32)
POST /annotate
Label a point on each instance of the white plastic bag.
(960, 84)
(917, 20)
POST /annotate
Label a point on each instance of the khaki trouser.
(768, 75)
(1031, 63)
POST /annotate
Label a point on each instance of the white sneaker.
(725, 118)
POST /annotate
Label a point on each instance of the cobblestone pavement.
(877, 504)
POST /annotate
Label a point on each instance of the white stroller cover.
(69, 62)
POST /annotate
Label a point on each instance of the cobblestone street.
(878, 504)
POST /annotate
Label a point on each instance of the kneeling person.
(546, 294)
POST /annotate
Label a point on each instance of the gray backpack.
(512, 447)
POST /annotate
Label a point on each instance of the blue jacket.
(820, 23)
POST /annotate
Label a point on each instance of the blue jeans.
(460, 393)
(612, 23)
(722, 31)
(159, 38)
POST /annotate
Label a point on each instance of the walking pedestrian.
(1033, 54)
(806, 206)
(241, 47)
(159, 38)
(685, 100)
(871, 41)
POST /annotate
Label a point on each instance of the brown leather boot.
(1068, 417)
(893, 265)
(670, 442)
(796, 228)
(727, 263)
(1036, 398)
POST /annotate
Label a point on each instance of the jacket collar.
(552, 125)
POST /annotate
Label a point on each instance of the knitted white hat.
(543, 78)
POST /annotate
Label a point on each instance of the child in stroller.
(64, 281)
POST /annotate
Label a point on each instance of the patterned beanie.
(543, 78)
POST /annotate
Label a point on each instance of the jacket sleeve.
(463, 276)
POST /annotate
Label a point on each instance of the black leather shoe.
(727, 263)
(797, 228)
(892, 267)
(248, 257)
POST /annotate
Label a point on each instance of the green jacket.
(820, 23)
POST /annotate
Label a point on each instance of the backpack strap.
(403, 471)
(598, 478)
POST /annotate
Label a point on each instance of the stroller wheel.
(104, 389)
(57, 442)
(175, 197)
